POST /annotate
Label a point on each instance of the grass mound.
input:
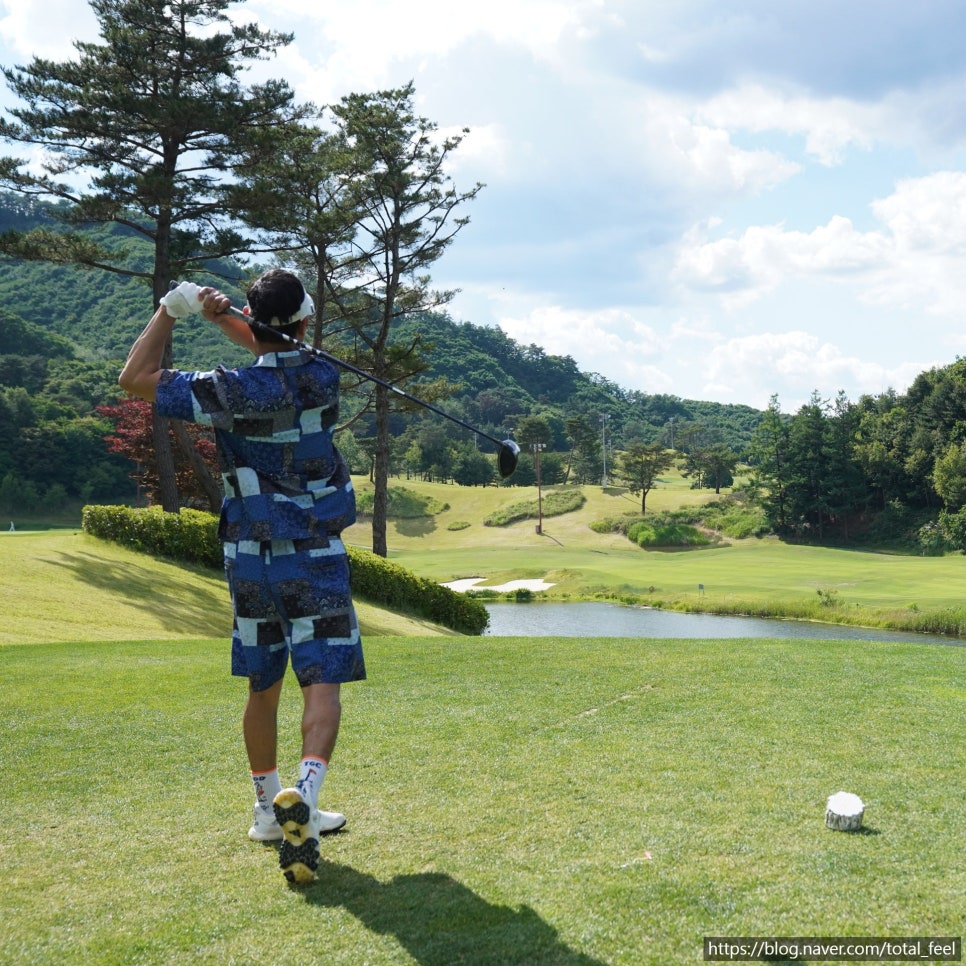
(403, 504)
(554, 503)
(67, 585)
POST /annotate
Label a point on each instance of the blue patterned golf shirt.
(273, 421)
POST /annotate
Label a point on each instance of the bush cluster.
(192, 535)
(555, 503)
(731, 517)
(647, 534)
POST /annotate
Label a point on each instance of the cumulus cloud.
(683, 150)
(46, 29)
(828, 126)
(750, 368)
(612, 342)
(915, 258)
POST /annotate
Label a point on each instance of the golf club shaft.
(322, 354)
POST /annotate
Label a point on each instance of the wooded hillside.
(65, 330)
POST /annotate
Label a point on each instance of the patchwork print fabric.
(284, 478)
(293, 598)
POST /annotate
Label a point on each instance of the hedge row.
(192, 535)
(400, 589)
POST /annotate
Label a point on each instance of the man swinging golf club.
(288, 497)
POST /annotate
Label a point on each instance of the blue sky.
(716, 199)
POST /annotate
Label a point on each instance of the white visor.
(306, 309)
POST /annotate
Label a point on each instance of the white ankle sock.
(310, 779)
(267, 786)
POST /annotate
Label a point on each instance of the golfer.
(288, 497)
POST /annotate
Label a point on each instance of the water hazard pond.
(598, 619)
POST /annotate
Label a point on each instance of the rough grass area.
(67, 585)
(403, 504)
(573, 802)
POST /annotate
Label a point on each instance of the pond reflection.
(598, 619)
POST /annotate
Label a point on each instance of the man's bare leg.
(260, 727)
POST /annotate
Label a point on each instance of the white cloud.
(612, 342)
(829, 126)
(666, 140)
(916, 259)
(369, 44)
(750, 369)
(45, 29)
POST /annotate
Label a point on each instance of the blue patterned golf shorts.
(292, 600)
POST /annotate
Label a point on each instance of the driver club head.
(507, 458)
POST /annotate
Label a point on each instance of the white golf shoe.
(265, 827)
(301, 828)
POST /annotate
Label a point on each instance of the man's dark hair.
(276, 296)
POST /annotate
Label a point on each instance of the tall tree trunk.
(188, 450)
(380, 505)
(167, 479)
(167, 486)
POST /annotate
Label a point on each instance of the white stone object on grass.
(844, 811)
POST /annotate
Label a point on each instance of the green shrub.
(828, 596)
(190, 535)
(193, 536)
(647, 534)
(458, 525)
(377, 579)
(555, 503)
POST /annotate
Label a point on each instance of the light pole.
(537, 449)
(603, 445)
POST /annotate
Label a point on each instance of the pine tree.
(135, 133)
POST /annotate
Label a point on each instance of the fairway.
(510, 801)
(735, 576)
(571, 801)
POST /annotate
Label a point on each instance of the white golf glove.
(182, 301)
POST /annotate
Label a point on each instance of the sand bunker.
(469, 583)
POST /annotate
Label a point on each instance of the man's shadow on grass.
(440, 922)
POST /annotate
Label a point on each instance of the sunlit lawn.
(510, 801)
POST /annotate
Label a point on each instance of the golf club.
(508, 451)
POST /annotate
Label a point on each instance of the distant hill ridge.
(102, 313)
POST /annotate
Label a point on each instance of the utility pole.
(537, 449)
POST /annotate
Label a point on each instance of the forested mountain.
(888, 465)
(65, 330)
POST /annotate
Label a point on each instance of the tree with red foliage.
(196, 460)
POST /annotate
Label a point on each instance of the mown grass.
(66, 585)
(548, 802)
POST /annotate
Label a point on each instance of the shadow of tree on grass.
(186, 607)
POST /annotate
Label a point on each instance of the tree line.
(892, 466)
(65, 362)
(152, 130)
